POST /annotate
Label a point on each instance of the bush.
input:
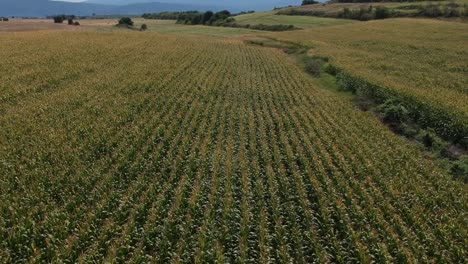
(309, 2)
(126, 21)
(143, 27)
(431, 11)
(70, 21)
(459, 169)
(393, 112)
(76, 23)
(382, 12)
(5, 19)
(59, 19)
(314, 67)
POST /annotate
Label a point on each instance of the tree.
(59, 19)
(143, 27)
(309, 2)
(207, 16)
(126, 21)
(382, 12)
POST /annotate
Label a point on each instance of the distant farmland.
(143, 147)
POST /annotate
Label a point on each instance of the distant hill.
(42, 8)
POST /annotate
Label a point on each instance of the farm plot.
(420, 62)
(183, 149)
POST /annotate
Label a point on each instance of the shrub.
(143, 27)
(5, 19)
(70, 21)
(459, 169)
(431, 11)
(309, 2)
(314, 66)
(126, 21)
(366, 16)
(76, 23)
(393, 112)
(382, 12)
(59, 19)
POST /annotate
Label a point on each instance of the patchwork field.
(137, 147)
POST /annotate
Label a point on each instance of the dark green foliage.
(382, 12)
(394, 112)
(76, 23)
(314, 67)
(431, 11)
(220, 19)
(181, 16)
(364, 14)
(454, 129)
(309, 2)
(451, 9)
(279, 27)
(207, 16)
(126, 21)
(459, 169)
(59, 19)
(315, 64)
(5, 19)
(70, 21)
(143, 27)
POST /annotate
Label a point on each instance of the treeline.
(382, 12)
(172, 15)
(219, 19)
(373, 1)
(59, 19)
(309, 2)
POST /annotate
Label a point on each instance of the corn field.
(129, 147)
(421, 63)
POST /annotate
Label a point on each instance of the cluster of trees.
(219, 19)
(365, 14)
(128, 23)
(4, 19)
(449, 10)
(208, 18)
(279, 27)
(59, 19)
(372, 1)
(309, 2)
(172, 15)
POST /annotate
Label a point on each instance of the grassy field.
(270, 18)
(422, 60)
(136, 147)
